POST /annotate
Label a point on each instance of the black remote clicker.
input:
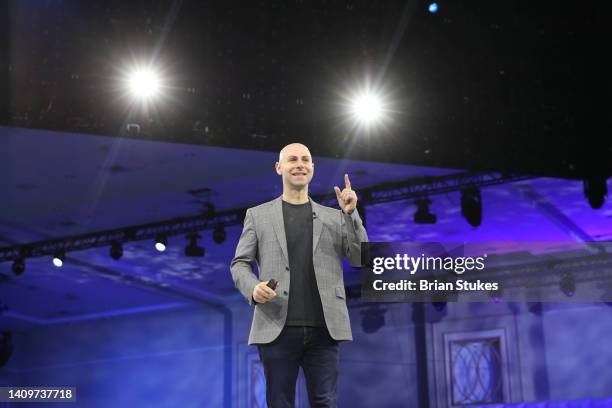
(272, 284)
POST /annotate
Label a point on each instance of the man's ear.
(278, 169)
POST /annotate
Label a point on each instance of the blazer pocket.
(340, 292)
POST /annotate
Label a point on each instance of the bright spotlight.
(144, 83)
(367, 108)
(160, 243)
(433, 8)
(58, 259)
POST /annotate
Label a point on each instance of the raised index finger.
(347, 182)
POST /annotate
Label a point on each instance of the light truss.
(381, 193)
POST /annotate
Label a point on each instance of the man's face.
(295, 165)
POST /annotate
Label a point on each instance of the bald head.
(295, 165)
(294, 148)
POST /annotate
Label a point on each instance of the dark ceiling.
(505, 85)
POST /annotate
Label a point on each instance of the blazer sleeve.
(242, 263)
(353, 234)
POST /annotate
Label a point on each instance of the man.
(300, 244)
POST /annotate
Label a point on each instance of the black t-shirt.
(305, 307)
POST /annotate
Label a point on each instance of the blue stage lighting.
(433, 8)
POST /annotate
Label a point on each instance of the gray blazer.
(263, 240)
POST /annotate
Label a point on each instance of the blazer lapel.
(317, 225)
(278, 223)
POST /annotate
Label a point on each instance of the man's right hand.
(262, 293)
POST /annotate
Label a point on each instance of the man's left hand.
(347, 199)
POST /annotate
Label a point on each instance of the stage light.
(219, 234)
(422, 214)
(471, 206)
(144, 83)
(193, 250)
(58, 259)
(18, 266)
(595, 190)
(433, 8)
(160, 243)
(367, 108)
(116, 250)
(567, 284)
